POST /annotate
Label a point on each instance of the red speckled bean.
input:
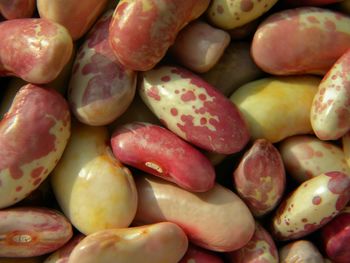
(12, 9)
(216, 220)
(27, 232)
(260, 249)
(158, 151)
(33, 135)
(194, 110)
(142, 30)
(312, 205)
(336, 237)
(330, 111)
(196, 254)
(260, 177)
(300, 251)
(100, 88)
(313, 39)
(33, 49)
(76, 16)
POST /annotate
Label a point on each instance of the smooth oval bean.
(100, 88)
(336, 237)
(33, 49)
(141, 31)
(260, 177)
(76, 16)
(300, 251)
(260, 248)
(228, 14)
(33, 136)
(62, 254)
(194, 110)
(199, 46)
(276, 108)
(306, 157)
(29, 231)
(313, 39)
(330, 111)
(216, 220)
(157, 243)
(237, 59)
(313, 204)
(93, 189)
(196, 254)
(13, 9)
(158, 151)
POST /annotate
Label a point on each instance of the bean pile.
(166, 131)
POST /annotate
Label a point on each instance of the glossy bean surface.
(300, 251)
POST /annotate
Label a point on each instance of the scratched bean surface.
(174, 131)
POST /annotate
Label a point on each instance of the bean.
(86, 165)
(76, 16)
(300, 251)
(196, 254)
(33, 49)
(17, 8)
(100, 88)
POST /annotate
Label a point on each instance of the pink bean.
(158, 151)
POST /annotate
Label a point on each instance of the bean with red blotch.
(228, 14)
(216, 220)
(199, 46)
(236, 58)
(12, 9)
(33, 136)
(30, 231)
(194, 110)
(196, 254)
(158, 151)
(330, 111)
(306, 156)
(314, 38)
(33, 49)
(141, 31)
(100, 88)
(260, 177)
(336, 237)
(76, 16)
(62, 254)
(260, 248)
(300, 251)
(94, 190)
(277, 107)
(312, 205)
(157, 243)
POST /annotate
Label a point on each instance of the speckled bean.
(216, 220)
(194, 110)
(260, 177)
(196, 254)
(33, 49)
(158, 151)
(260, 248)
(100, 88)
(28, 232)
(276, 108)
(336, 237)
(330, 111)
(228, 14)
(300, 251)
(313, 39)
(13, 9)
(62, 254)
(313, 204)
(141, 31)
(92, 188)
(306, 157)
(26, 158)
(199, 46)
(76, 16)
(157, 243)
